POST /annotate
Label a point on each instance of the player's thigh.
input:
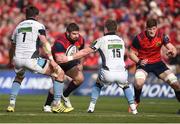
(39, 65)
(170, 78)
(76, 74)
(110, 76)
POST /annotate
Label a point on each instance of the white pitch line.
(88, 115)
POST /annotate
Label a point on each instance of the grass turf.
(108, 110)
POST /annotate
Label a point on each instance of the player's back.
(112, 51)
(25, 36)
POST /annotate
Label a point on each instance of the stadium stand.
(90, 14)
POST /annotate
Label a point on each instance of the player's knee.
(79, 79)
(19, 77)
(175, 86)
(140, 75)
(138, 84)
(123, 85)
(98, 85)
(59, 74)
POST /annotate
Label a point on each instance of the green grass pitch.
(108, 110)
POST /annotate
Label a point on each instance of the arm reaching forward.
(82, 53)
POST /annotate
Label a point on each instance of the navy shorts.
(156, 68)
(67, 66)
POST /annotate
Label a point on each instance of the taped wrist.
(70, 58)
(50, 57)
(47, 48)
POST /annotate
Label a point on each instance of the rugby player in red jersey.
(72, 69)
(145, 52)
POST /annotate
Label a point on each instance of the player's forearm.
(133, 56)
(46, 47)
(171, 48)
(82, 53)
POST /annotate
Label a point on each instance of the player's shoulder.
(39, 24)
(32, 22)
(81, 39)
(140, 36)
(61, 39)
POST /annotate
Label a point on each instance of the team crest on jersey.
(158, 43)
(78, 46)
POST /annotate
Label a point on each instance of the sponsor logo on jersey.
(158, 43)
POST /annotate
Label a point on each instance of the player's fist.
(170, 53)
(143, 62)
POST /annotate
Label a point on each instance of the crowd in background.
(90, 15)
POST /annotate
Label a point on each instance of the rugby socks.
(137, 94)
(72, 86)
(58, 90)
(49, 99)
(129, 95)
(95, 92)
(14, 91)
(177, 95)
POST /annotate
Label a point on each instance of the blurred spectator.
(90, 15)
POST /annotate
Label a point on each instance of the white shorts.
(108, 77)
(37, 65)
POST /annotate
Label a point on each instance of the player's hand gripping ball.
(71, 50)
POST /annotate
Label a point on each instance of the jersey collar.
(30, 18)
(110, 33)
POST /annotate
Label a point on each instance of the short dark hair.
(72, 27)
(111, 25)
(151, 22)
(31, 11)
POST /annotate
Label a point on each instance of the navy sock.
(72, 86)
(137, 94)
(49, 99)
(177, 95)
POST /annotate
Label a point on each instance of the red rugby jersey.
(62, 43)
(149, 48)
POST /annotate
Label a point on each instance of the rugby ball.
(71, 50)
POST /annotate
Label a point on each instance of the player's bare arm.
(12, 51)
(134, 56)
(59, 57)
(47, 49)
(82, 53)
(171, 52)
